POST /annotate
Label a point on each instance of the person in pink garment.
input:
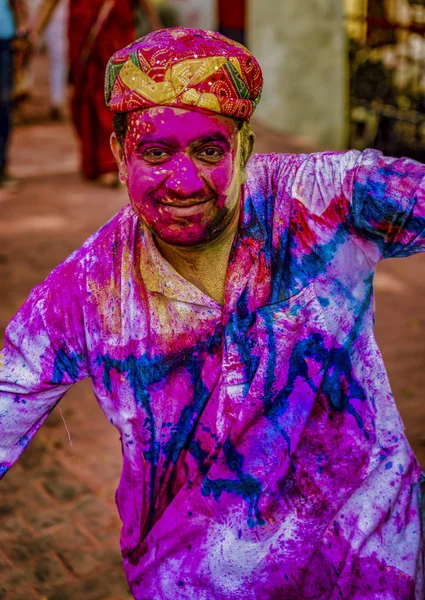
(225, 318)
(96, 29)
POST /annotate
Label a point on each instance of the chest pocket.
(294, 340)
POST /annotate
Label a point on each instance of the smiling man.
(184, 171)
(225, 317)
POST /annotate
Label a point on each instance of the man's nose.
(184, 179)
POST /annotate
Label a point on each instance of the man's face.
(183, 171)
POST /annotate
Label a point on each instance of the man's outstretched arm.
(381, 200)
(388, 203)
(41, 359)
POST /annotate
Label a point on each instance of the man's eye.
(155, 154)
(211, 154)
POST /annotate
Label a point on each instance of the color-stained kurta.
(264, 457)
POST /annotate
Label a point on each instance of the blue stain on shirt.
(141, 373)
(181, 430)
(246, 486)
(380, 214)
(324, 302)
(238, 334)
(312, 347)
(24, 441)
(319, 257)
(199, 455)
(66, 364)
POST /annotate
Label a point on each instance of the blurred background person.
(56, 42)
(166, 12)
(96, 29)
(13, 21)
(199, 14)
(231, 19)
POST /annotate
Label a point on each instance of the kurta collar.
(160, 277)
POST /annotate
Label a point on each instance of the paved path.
(59, 528)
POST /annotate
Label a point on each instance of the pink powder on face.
(183, 173)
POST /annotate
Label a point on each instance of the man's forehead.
(182, 124)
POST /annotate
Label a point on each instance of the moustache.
(175, 200)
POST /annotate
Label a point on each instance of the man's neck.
(204, 266)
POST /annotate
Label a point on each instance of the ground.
(58, 523)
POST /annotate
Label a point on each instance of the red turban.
(184, 68)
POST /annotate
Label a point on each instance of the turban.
(184, 68)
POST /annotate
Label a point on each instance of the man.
(226, 320)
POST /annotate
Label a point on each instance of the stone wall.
(300, 45)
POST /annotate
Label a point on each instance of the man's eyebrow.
(211, 137)
(174, 142)
(165, 141)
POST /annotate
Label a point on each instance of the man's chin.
(183, 239)
(189, 232)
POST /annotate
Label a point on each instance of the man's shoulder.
(267, 172)
(269, 168)
(271, 171)
(276, 160)
(267, 162)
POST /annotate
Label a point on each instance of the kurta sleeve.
(388, 203)
(380, 199)
(43, 355)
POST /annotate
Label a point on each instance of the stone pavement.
(58, 523)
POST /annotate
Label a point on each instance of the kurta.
(263, 454)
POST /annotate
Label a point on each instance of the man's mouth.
(183, 207)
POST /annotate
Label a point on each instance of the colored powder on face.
(183, 173)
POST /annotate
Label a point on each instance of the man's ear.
(247, 140)
(246, 152)
(118, 152)
(250, 146)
